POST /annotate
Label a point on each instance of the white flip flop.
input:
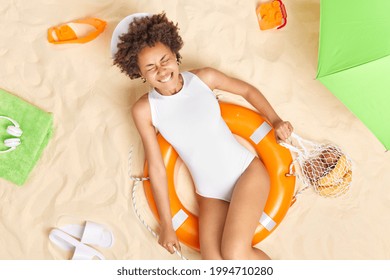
(92, 233)
(81, 251)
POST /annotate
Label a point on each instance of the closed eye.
(151, 69)
(165, 62)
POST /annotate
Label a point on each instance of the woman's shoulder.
(207, 74)
(141, 106)
(202, 72)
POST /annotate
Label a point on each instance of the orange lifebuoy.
(277, 159)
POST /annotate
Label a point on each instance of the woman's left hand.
(283, 130)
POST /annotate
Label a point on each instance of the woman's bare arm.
(218, 80)
(157, 173)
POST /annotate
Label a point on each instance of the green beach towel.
(37, 127)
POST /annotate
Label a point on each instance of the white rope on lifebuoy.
(136, 181)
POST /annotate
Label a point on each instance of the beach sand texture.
(83, 172)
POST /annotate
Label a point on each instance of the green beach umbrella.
(354, 59)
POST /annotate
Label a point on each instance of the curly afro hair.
(146, 31)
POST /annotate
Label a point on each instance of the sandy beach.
(83, 173)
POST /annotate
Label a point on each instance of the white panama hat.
(121, 28)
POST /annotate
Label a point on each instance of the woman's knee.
(211, 254)
(232, 252)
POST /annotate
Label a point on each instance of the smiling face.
(158, 65)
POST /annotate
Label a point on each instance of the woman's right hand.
(168, 239)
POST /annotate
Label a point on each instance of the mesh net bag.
(324, 167)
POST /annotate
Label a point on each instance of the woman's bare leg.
(212, 216)
(246, 207)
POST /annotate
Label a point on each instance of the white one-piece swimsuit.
(191, 122)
